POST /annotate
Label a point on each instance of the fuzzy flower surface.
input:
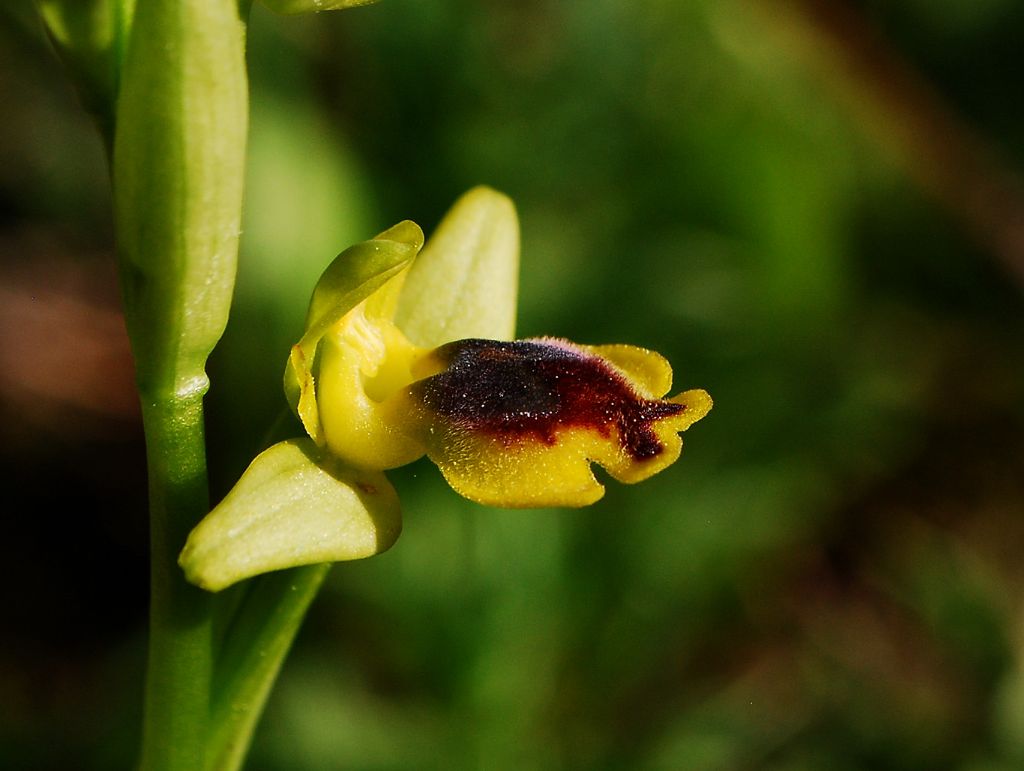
(409, 353)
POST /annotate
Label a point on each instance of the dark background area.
(813, 209)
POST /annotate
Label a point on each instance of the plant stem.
(180, 665)
(178, 167)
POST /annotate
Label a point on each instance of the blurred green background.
(812, 208)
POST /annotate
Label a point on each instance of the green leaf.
(178, 170)
(261, 631)
(293, 506)
(353, 276)
(312, 6)
(465, 282)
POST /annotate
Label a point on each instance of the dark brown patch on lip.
(534, 388)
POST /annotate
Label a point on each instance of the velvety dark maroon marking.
(511, 390)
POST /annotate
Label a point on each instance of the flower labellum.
(405, 356)
(517, 423)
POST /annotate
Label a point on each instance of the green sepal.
(294, 505)
(465, 282)
(312, 6)
(353, 276)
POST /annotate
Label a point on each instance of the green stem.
(167, 81)
(180, 651)
(178, 167)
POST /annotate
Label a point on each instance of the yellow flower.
(405, 356)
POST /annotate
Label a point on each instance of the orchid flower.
(409, 353)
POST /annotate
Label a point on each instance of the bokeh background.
(812, 207)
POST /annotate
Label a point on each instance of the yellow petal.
(366, 364)
(368, 275)
(358, 273)
(300, 388)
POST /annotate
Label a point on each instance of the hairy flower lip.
(518, 424)
(538, 388)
